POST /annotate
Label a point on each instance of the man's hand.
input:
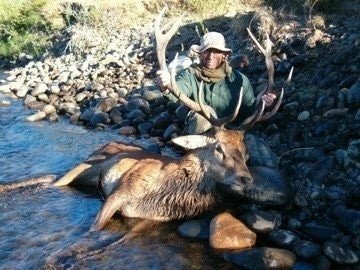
(164, 80)
(268, 99)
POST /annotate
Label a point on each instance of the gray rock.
(40, 88)
(36, 117)
(195, 229)
(262, 258)
(283, 238)
(307, 249)
(340, 254)
(261, 221)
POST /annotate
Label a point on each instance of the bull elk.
(149, 186)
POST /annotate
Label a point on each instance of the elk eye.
(218, 149)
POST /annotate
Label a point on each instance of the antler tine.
(219, 122)
(162, 39)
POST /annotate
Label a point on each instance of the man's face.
(212, 58)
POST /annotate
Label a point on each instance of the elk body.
(151, 186)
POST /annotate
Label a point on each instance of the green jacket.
(221, 96)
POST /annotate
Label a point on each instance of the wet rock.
(4, 103)
(137, 113)
(262, 258)
(353, 96)
(336, 112)
(340, 254)
(23, 90)
(303, 116)
(138, 103)
(199, 229)
(324, 103)
(321, 169)
(107, 104)
(261, 221)
(49, 109)
(353, 150)
(329, 80)
(40, 88)
(259, 153)
(349, 218)
(283, 238)
(302, 266)
(226, 232)
(306, 249)
(345, 55)
(320, 231)
(127, 131)
(36, 117)
(116, 115)
(169, 131)
(145, 127)
(99, 118)
(181, 113)
(162, 121)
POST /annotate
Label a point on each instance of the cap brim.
(200, 49)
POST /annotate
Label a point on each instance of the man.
(222, 84)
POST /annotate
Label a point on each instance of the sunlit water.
(35, 223)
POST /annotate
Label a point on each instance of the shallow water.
(36, 222)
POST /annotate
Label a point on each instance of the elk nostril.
(246, 179)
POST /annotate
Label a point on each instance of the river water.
(36, 222)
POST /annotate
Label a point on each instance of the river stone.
(269, 187)
(195, 229)
(49, 109)
(44, 97)
(261, 221)
(99, 118)
(303, 116)
(137, 113)
(320, 231)
(353, 96)
(152, 95)
(262, 258)
(340, 254)
(162, 121)
(40, 88)
(5, 88)
(336, 112)
(116, 116)
(227, 232)
(306, 249)
(54, 88)
(23, 90)
(4, 103)
(353, 150)
(259, 153)
(283, 238)
(127, 131)
(145, 127)
(36, 117)
(107, 104)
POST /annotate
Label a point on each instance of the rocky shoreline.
(315, 135)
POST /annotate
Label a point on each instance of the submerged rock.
(262, 258)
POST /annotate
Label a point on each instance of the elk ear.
(190, 142)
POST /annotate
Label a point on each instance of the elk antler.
(162, 40)
(258, 114)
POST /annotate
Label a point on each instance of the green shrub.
(22, 28)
